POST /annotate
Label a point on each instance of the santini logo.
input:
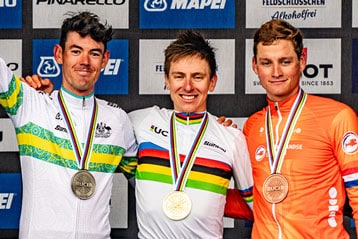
(207, 143)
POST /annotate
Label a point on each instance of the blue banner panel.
(10, 14)
(113, 79)
(10, 200)
(355, 66)
(176, 14)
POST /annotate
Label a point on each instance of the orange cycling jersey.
(321, 160)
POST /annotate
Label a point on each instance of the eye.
(265, 63)
(75, 52)
(95, 54)
(178, 76)
(198, 77)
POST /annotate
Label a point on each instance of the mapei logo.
(6, 200)
(48, 67)
(161, 5)
(7, 3)
(155, 5)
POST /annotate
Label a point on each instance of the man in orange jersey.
(303, 148)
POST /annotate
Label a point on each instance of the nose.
(188, 84)
(84, 58)
(276, 71)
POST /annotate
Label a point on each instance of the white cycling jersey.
(222, 154)
(49, 207)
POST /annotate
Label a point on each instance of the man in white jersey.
(185, 157)
(70, 143)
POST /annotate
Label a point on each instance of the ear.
(212, 83)
(57, 52)
(303, 61)
(254, 64)
(105, 60)
(166, 82)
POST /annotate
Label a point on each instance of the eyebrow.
(79, 47)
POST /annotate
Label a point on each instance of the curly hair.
(86, 23)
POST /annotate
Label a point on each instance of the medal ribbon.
(180, 173)
(82, 157)
(276, 156)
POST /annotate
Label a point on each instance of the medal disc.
(275, 188)
(83, 184)
(177, 205)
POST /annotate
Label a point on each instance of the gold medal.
(177, 205)
(275, 188)
(83, 184)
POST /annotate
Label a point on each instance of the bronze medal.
(83, 184)
(275, 188)
(177, 205)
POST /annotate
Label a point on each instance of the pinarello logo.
(350, 143)
(260, 153)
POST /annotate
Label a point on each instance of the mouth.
(278, 81)
(188, 97)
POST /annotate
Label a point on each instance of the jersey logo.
(103, 130)
(350, 143)
(260, 153)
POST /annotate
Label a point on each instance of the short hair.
(190, 43)
(277, 29)
(86, 23)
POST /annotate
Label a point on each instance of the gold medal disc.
(177, 205)
(83, 184)
(275, 188)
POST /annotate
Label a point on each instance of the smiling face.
(82, 61)
(189, 83)
(279, 69)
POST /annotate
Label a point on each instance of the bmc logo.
(6, 200)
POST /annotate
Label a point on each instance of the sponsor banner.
(113, 79)
(355, 66)
(354, 13)
(10, 14)
(8, 142)
(171, 14)
(10, 200)
(11, 52)
(50, 13)
(300, 13)
(322, 74)
(118, 216)
(151, 62)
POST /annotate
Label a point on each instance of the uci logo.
(157, 130)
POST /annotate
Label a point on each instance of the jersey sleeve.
(344, 136)
(10, 89)
(242, 170)
(128, 164)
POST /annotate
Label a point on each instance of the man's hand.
(226, 122)
(38, 83)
